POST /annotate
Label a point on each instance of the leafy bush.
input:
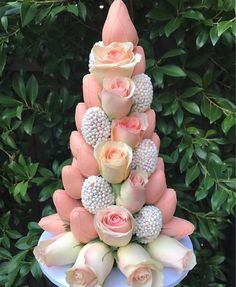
(44, 48)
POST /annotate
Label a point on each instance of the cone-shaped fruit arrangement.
(115, 196)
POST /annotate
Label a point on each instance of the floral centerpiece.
(115, 207)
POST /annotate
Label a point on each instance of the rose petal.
(91, 91)
(72, 181)
(178, 228)
(64, 203)
(118, 26)
(167, 204)
(81, 224)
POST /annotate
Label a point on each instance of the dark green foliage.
(189, 46)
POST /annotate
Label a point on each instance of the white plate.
(57, 274)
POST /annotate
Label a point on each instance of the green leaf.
(9, 102)
(201, 39)
(32, 89)
(191, 92)
(191, 107)
(82, 10)
(3, 59)
(73, 8)
(4, 22)
(223, 26)
(201, 193)
(216, 260)
(214, 35)
(194, 77)
(178, 117)
(28, 124)
(158, 76)
(21, 188)
(65, 70)
(193, 14)
(36, 270)
(171, 26)
(209, 110)
(234, 28)
(14, 234)
(173, 53)
(228, 123)
(28, 12)
(19, 86)
(172, 70)
(192, 174)
(161, 13)
(218, 198)
(207, 78)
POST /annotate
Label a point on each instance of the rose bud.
(117, 59)
(132, 192)
(114, 160)
(53, 224)
(114, 225)
(117, 96)
(130, 130)
(138, 266)
(58, 251)
(118, 26)
(171, 253)
(93, 265)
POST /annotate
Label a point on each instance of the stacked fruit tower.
(115, 206)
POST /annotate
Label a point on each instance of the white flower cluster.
(95, 126)
(96, 193)
(148, 223)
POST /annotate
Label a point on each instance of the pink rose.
(115, 59)
(171, 253)
(114, 225)
(92, 266)
(138, 266)
(130, 129)
(132, 192)
(114, 160)
(117, 96)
